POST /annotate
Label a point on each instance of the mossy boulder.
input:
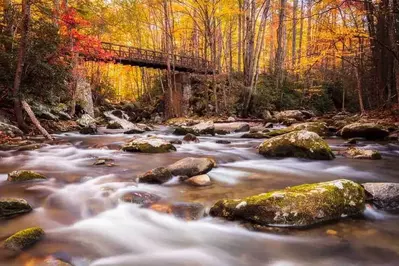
(384, 196)
(190, 166)
(11, 207)
(86, 121)
(158, 175)
(369, 131)
(149, 145)
(300, 144)
(356, 153)
(24, 239)
(10, 130)
(24, 175)
(319, 128)
(298, 206)
(88, 130)
(255, 135)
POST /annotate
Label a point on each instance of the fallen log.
(36, 122)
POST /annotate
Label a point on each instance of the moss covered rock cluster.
(24, 175)
(149, 145)
(298, 206)
(24, 239)
(300, 144)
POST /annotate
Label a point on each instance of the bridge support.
(181, 96)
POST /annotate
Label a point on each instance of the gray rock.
(384, 196)
(158, 175)
(232, 127)
(369, 131)
(149, 145)
(199, 180)
(141, 198)
(10, 130)
(86, 121)
(189, 167)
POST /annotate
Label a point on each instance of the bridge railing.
(150, 56)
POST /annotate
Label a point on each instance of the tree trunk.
(294, 26)
(36, 122)
(280, 48)
(25, 25)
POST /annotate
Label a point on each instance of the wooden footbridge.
(132, 56)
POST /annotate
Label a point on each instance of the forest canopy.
(275, 54)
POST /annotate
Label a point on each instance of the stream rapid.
(87, 224)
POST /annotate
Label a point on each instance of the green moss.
(297, 206)
(11, 207)
(24, 175)
(300, 144)
(319, 128)
(24, 239)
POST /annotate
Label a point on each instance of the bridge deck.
(154, 59)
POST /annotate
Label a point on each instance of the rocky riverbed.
(157, 196)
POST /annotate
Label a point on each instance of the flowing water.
(85, 223)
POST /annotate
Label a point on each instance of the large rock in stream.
(300, 144)
(384, 196)
(190, 166)
(369, 131)
(319, 128)
(24, 175)
(149, 145)
(298, 206)
(12, 207)
(232, 127)
(203, 128)
(24, 239)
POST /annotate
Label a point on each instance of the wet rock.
(319, 128)
(24, 175)
(182, 131)
(10, 130)
(256, 135)
(191, 138)
(199, 180)
(353, 141)
(232, 127)
(203, 128)
(356, 153)
(11, 207)
(89, 130)
(223, 141)
(119, 114)
(182, 210)
(221, 132)
(298, 206)
(86, 121)
(158, 175)
(134, 131)
(48, 262)
(231, 119)
(384, 196)
(369, 131)
(141, 198)
(190, 166)
(149, 145)
(104, 161)
(176, 141)
(114, 125)
(300, 144)
(24, 239)
(290, 114)
(394, 136)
